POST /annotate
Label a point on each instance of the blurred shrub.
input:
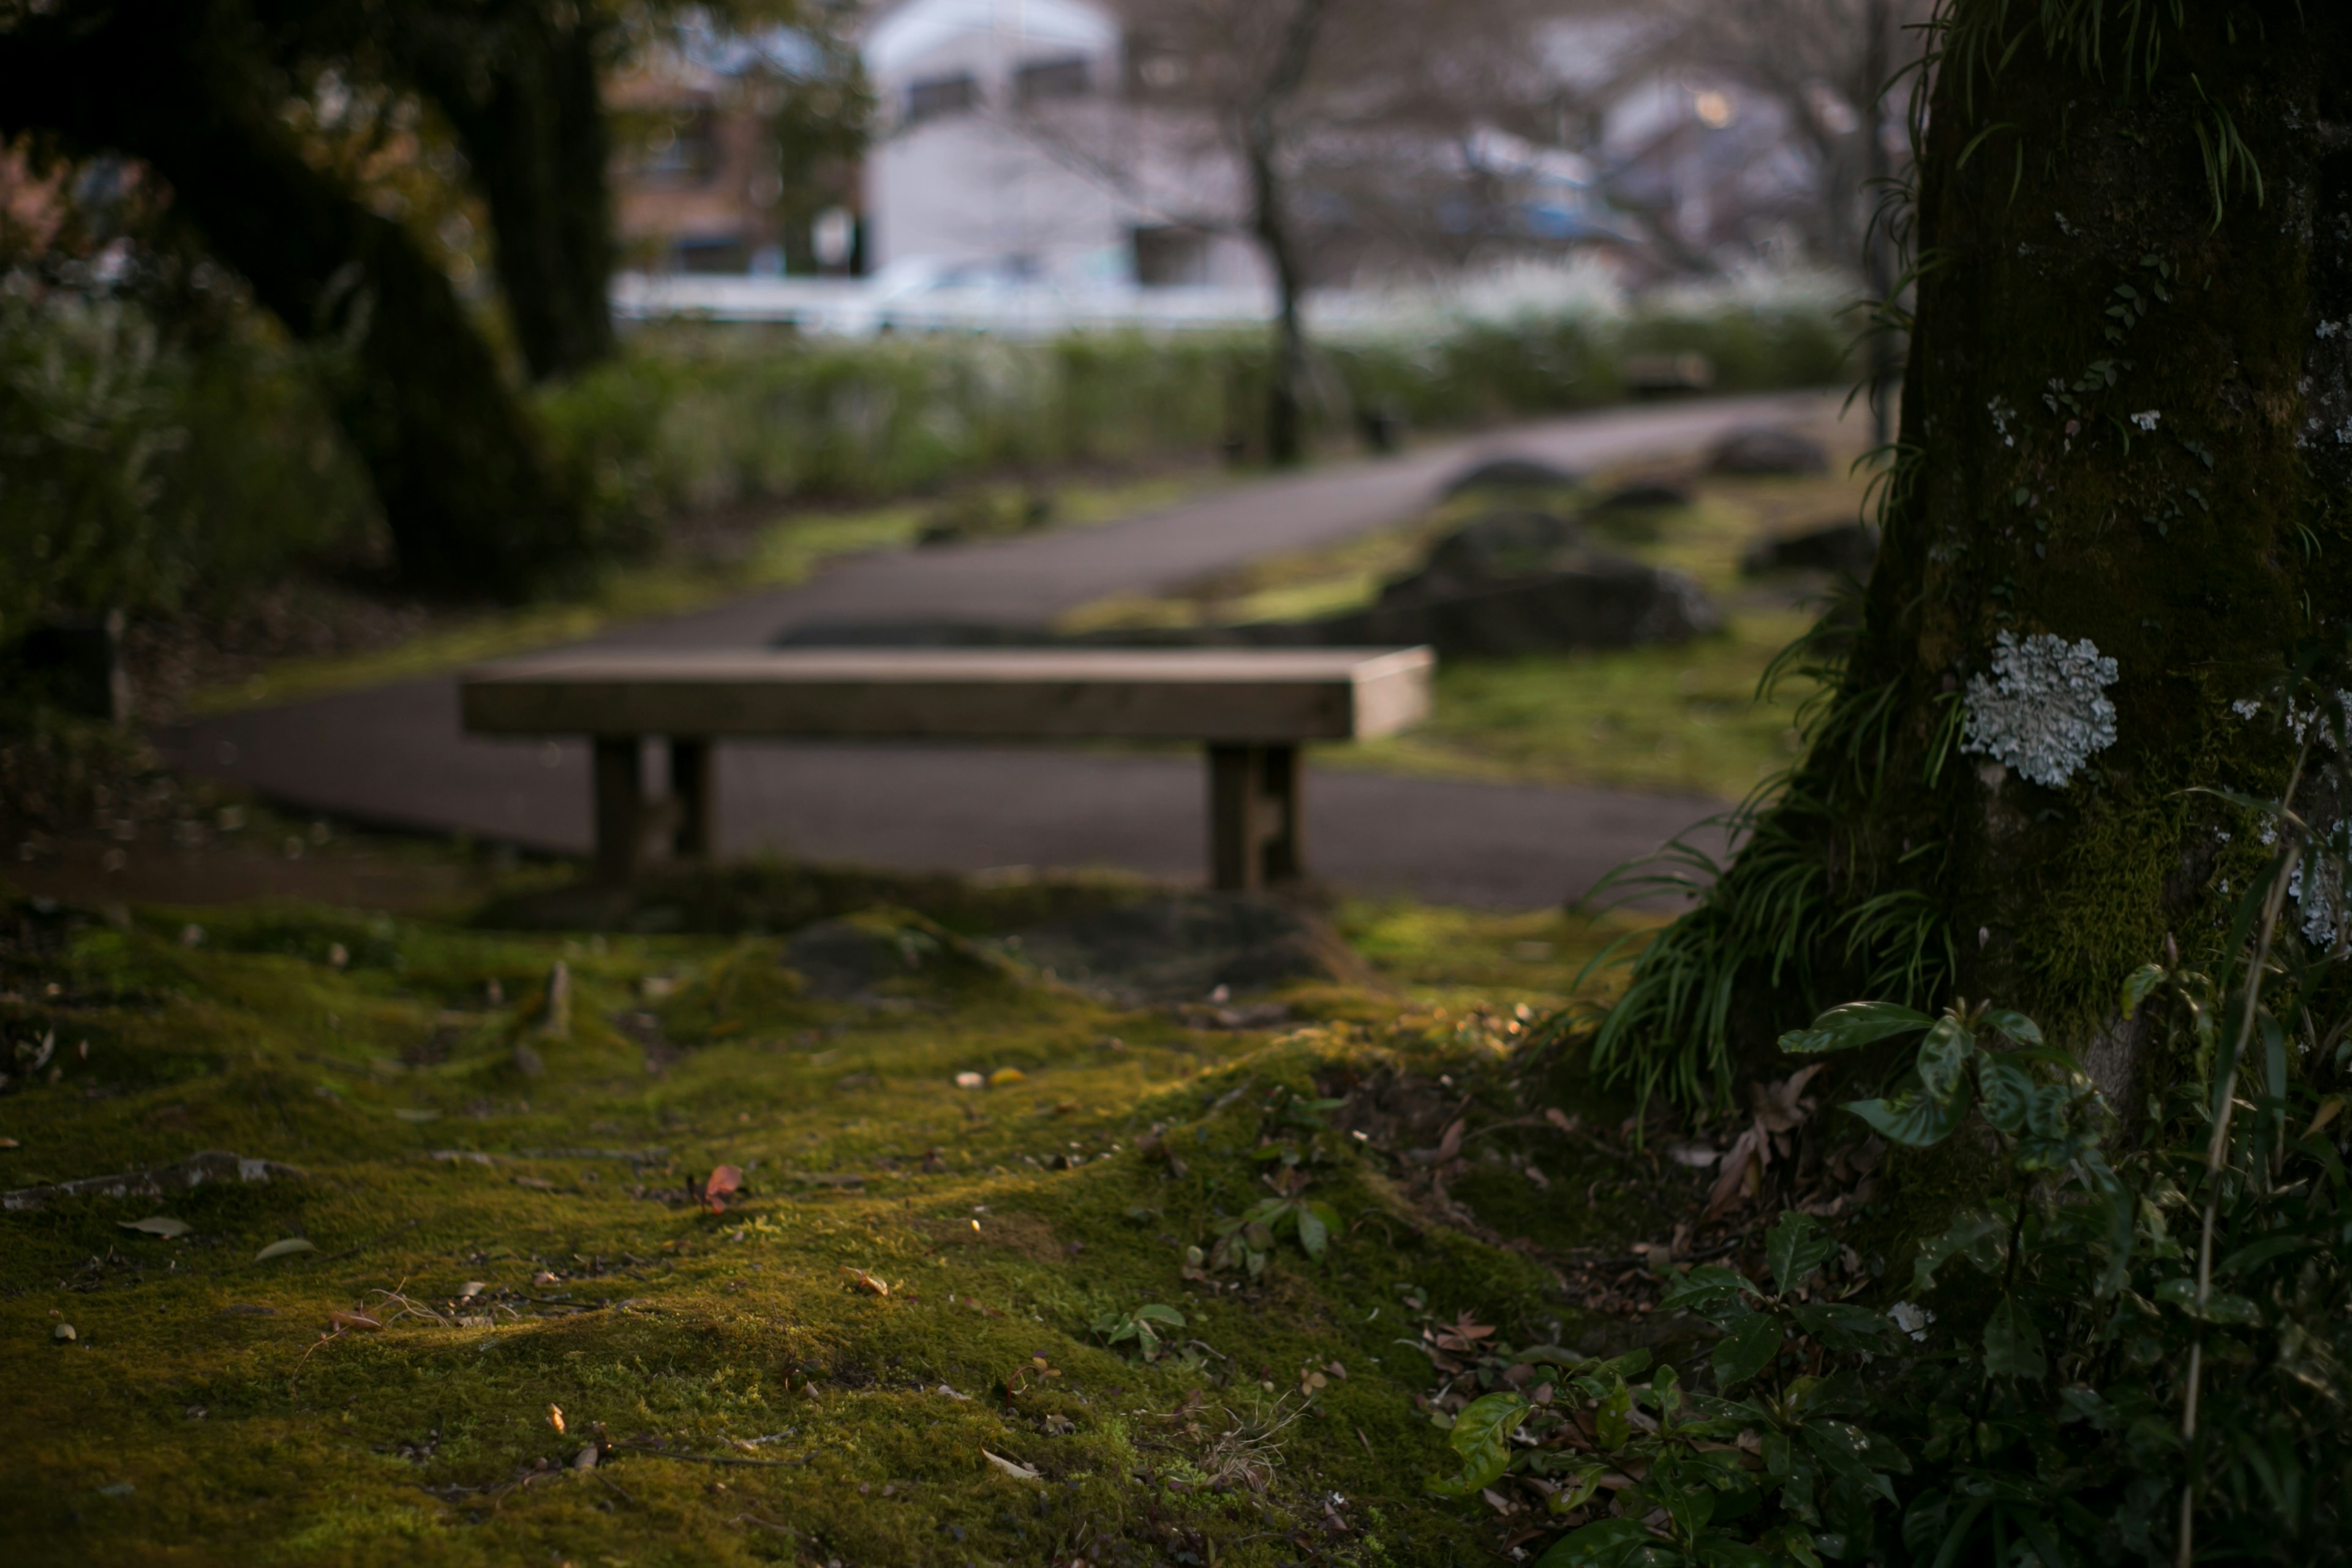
(702, 415)
(151, 468)
(171, 448)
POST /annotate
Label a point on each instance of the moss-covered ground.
(893, 1346)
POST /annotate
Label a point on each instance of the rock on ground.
(1850, 547)
(1511, 473)
(1768, 449)
(1183, 947)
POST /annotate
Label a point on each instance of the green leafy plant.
(1773, 1469)
(1247, 1240)
(1141, 1326)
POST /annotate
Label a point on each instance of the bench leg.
(1254, 817)
(693, 786)
(620, 807)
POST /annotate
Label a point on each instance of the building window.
(933, 97)
(1040, 81)
(1170, 257)
(684, 152)
(726, 255)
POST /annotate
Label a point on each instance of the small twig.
(705, 1459)
(616, 1485)
(762, 1523)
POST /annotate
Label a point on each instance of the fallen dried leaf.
(157, 1224)
(971, 1080)
(285, 1248)
(865, 1281)
(1012, 1467)
(535, 1183)
(1004, 1076)
(63, 1332)
(360, 1322)
(555, 1419)
(724, 1179)
(9, 1143)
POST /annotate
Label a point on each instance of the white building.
(1010, 153)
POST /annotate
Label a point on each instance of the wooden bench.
(1250, 707)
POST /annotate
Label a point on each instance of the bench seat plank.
(1284, 695)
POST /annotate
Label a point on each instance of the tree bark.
(1261, 139)
(2124, 422)
(522, 92)
(471, 501)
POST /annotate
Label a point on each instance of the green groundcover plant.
(2134, 1351)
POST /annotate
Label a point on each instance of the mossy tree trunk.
(471, 500)
(2127, 419)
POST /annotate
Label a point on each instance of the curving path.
(393, 755)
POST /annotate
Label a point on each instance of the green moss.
(368, 1052)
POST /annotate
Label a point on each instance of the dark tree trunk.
(1261, 142)
(522, 95)
(471, 501)
(1285, 412)
(2123, 423)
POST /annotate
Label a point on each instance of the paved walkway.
(394, 755)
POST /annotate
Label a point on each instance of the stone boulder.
(1848, 547)
(1600, 601)
(1511, 473)
(1766, 449)
(1647, 495)
(1185, 947)
(1488, 549)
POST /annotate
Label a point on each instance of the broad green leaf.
(2013, 1345)
(1911, 1119)
(1481, 1435)
(1795, 1248)
(1717, 1551)
(2140, 984)
(285, 1248)
(1708, 1285)
(1611, 1422)
(1841, 1449)
(2016, 1025)
(1583, 1481)
(1943, 1058)
(1795, 1543)
(2045, 1113)
(2006, 1089)
(1842, 1327)
(157, 1224)
(1632, 1363)
(1610, 1543)
(1747, 1350)
(1313, 1234)
(1665, 1391)
(2221, 1307)
(2262, 1251)
(1156, 1313)
(1854, 1026)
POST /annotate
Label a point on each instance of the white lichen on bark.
(2043, 712)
